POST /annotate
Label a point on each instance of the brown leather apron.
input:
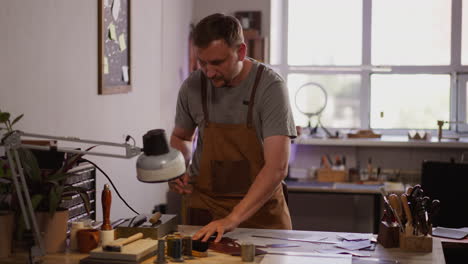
(232, 156)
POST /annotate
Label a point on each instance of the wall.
(48, 71)
(202, 8)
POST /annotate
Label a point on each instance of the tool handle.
(406, 208)
(155, 218)
(395, 204)
(128, 240)
(409, 190)
(106, 200)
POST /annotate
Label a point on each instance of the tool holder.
(329, 175)
(415, 243)
(389, 235)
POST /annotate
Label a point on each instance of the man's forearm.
(259, 193)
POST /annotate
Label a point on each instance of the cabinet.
(328, 208)
(84, 176)
(257, 46)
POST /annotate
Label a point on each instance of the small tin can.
(248, 252)
(187, 246)
(175, 247)
(161, 259)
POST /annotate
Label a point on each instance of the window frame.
(366, 69)
(462, 86)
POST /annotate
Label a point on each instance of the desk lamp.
(157, 163)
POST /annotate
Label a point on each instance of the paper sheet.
(354, 245)
(106, 65)
(125, 73)
(112, 32)
(355, 236)
(116, 9)
(122, 43)
(343, 251)
(307, 258)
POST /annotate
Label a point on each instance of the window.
(331, 30)
(420, 35)
(465, 34)
(376, 59)
(394, 96)
(342, 108)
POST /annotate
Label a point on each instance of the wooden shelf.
(385, 141)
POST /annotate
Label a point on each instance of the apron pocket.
(230, 177)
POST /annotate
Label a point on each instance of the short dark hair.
(215, 27)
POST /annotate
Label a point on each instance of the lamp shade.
(159, 162)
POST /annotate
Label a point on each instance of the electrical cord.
(128, 137)
(113, 186)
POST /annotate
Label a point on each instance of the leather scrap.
(231, 247)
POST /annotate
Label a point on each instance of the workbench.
(387, 256)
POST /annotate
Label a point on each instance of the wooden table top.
(245, 235)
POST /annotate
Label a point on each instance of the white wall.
(202, 8)
(48, 71)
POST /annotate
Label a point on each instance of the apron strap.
(204, 96)
(260, 69)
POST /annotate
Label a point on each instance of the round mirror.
(311, 99)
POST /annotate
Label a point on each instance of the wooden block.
(389, 236)
(329, 175)
(415, 243)
(367, 133)
(134, 251)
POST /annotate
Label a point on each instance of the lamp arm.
(25, 200)
(130, 151)
(13, 142)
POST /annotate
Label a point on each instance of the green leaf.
(17, 119)
(83, 194)
(71, 162)
(55, 196)
(57, 177)
(86, 202)
(30, 165)
(36, 200)
(4, 116)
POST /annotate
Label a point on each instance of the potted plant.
(47, 188)
(6, 191)
(6, 212)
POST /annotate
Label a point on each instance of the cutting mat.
(135, 251)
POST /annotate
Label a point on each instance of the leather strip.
(204, 97)
(260, 69)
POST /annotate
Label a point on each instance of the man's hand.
(180, 185)
(220, 226)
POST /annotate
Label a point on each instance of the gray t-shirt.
(272, 113)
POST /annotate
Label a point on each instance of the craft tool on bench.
(117, 245)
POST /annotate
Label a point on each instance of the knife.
(390, 210)
(434, 211)
(421, 214)
(406, 208)
(395, 203)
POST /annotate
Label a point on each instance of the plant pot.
(6, 231)
(53, 230)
